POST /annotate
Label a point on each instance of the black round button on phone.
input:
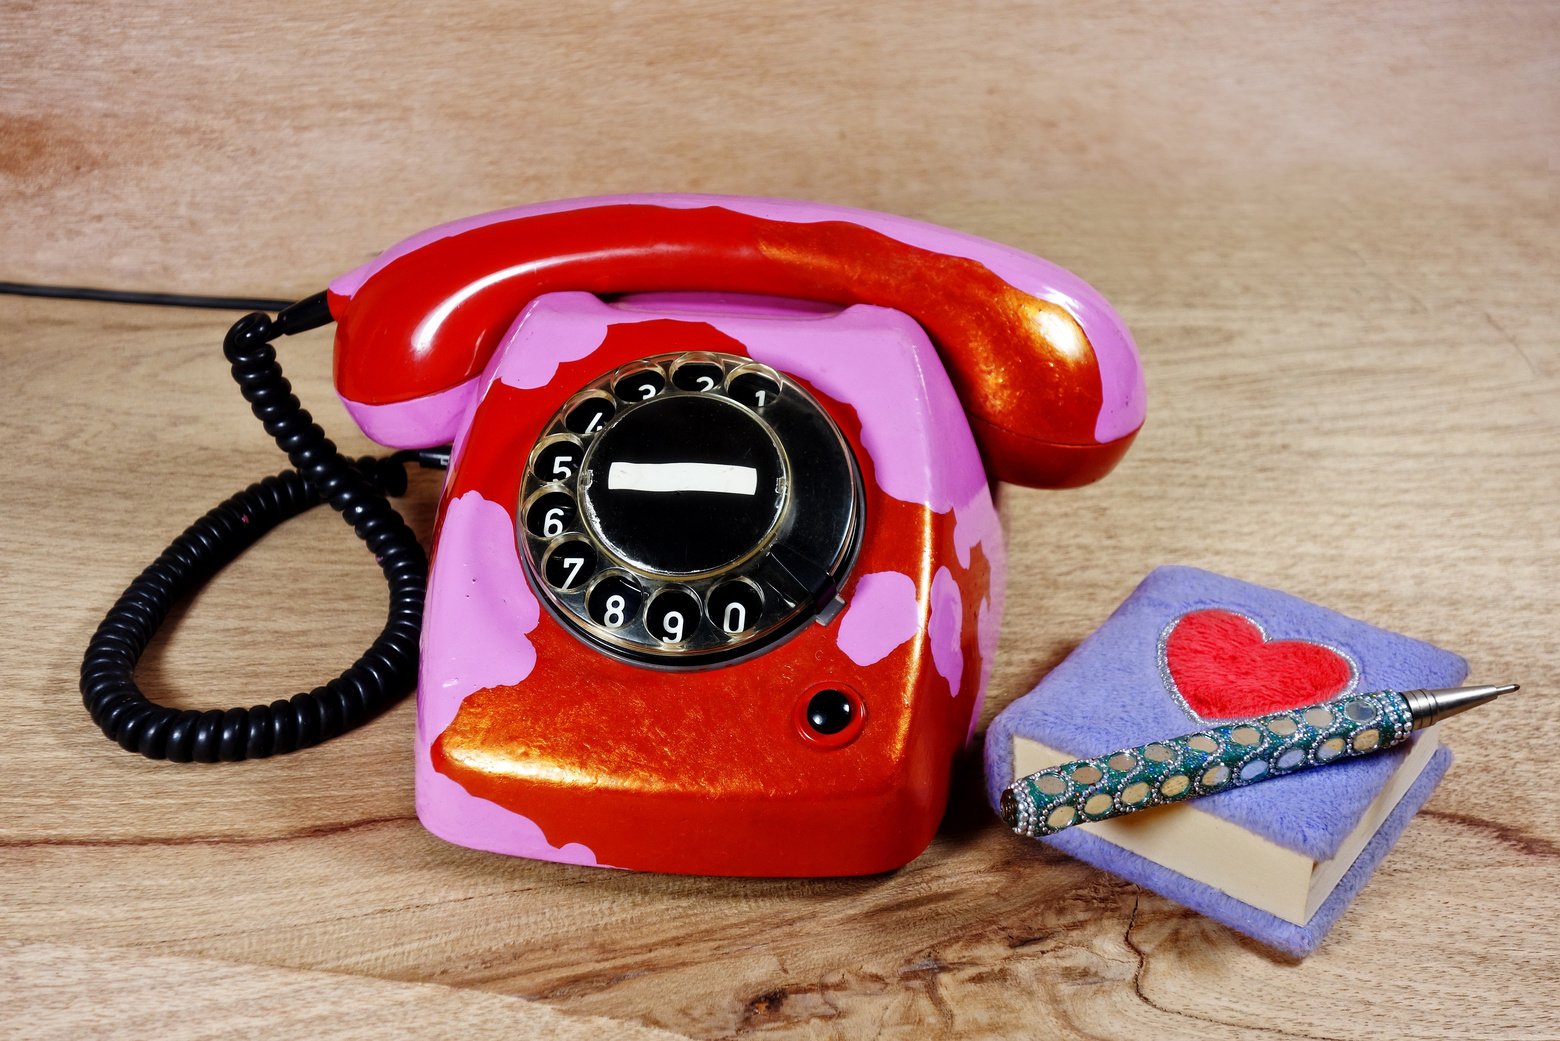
(570, 564)
(551, 515)
(753, 389)
(589, 415)
(698, 376)
(830, 711)
(734, 606)
(640, 386)
(559, 461)
(684, 485)
(673, 615)
(614, 602)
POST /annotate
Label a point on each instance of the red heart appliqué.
(1221, 665)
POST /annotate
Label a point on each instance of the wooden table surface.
(1353, 359)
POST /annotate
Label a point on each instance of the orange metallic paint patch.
(704, 771)
(1012, 357)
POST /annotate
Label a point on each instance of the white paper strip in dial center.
(723, 478)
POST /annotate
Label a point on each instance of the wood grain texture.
(1334, 230)
(141, 142)
(63, 991)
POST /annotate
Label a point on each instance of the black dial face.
(689, 509)
(684, 485)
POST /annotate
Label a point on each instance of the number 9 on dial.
(672, 616)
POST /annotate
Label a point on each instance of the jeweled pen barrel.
(1228, 756)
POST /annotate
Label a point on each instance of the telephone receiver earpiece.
(1045, 369)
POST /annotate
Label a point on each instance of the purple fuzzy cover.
(1298, 940)
(1311, 812)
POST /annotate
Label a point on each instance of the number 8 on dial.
(614, 602)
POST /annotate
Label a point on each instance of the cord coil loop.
(358, 490)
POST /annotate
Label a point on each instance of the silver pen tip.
(1428, 707)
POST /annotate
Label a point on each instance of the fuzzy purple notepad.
(1189, 648)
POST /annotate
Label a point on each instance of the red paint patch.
(1224, 668)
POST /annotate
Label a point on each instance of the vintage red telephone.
(716, 576)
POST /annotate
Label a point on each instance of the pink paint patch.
(479, 612)
(946, 629)
(880, 362)
(447, 810)
(988, 630)
(883, 615)
(419, 423)
(976, 523)
(553, 329)
(988, 626)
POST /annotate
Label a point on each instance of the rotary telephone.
(716, 574)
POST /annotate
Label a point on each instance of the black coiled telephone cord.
(358, 490)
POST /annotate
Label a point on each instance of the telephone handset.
(716, 574)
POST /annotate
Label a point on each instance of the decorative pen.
(1231, 755)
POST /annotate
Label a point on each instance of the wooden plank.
(68, 992)
(264, 148)
(1354, 397)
